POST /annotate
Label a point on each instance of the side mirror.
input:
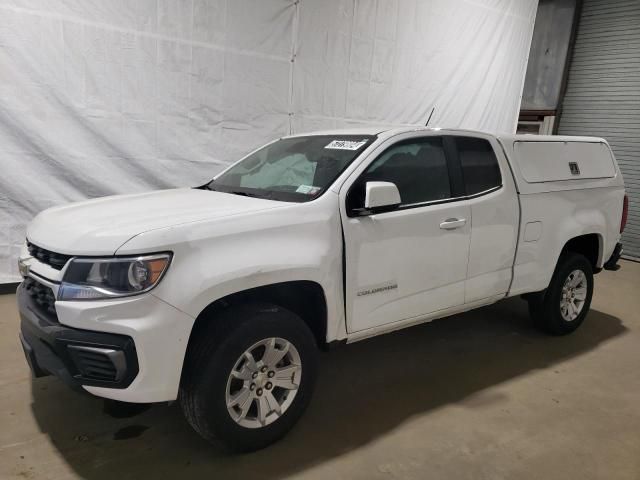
(381, 197)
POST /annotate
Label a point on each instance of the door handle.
(453, 223)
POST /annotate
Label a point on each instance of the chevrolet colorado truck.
(220, 296)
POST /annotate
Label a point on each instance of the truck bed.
(567, 187)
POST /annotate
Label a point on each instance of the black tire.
(544, 307)
(212, 356)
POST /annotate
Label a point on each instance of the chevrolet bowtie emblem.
(23, 267)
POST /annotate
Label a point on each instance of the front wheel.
(250, 377)
(562, 308)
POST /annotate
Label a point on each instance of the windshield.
(295, 169)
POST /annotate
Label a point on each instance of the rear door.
(411, 261)
(493, 200)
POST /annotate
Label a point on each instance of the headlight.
(96, 278)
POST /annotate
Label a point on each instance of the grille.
(54, 260)
(41, 294)
(93, 364)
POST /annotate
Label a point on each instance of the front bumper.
(151, 334)
(78, 357)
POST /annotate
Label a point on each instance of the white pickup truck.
(220, 296)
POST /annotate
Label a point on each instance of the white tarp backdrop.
(112, 96)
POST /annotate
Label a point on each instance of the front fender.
(215, 259)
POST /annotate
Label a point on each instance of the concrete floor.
(479, 395)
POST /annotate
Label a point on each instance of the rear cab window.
(479, 165)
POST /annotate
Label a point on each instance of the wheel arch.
(590, 245)
(305, 298)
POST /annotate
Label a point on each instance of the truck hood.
(101, 226)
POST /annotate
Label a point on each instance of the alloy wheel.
(574, 294)
(263, 382)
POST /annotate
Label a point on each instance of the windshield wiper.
(204, 187)
(244, 194)
(235, 192)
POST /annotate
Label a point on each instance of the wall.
(101, 97)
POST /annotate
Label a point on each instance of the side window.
(418, 168)
(479, 164)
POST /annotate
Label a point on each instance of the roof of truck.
(391, 131)
(547, 138)
(377, 130)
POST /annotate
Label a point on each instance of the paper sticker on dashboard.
(346, 144)
(308, 189)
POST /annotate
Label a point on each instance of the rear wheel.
(563, 306)
(250, 377)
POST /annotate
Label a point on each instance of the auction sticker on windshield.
(346, 144)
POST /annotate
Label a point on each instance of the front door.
(411, 261)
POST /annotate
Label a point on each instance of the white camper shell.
(567, 186)
(550, 163)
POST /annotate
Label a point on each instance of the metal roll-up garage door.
(603, 93)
